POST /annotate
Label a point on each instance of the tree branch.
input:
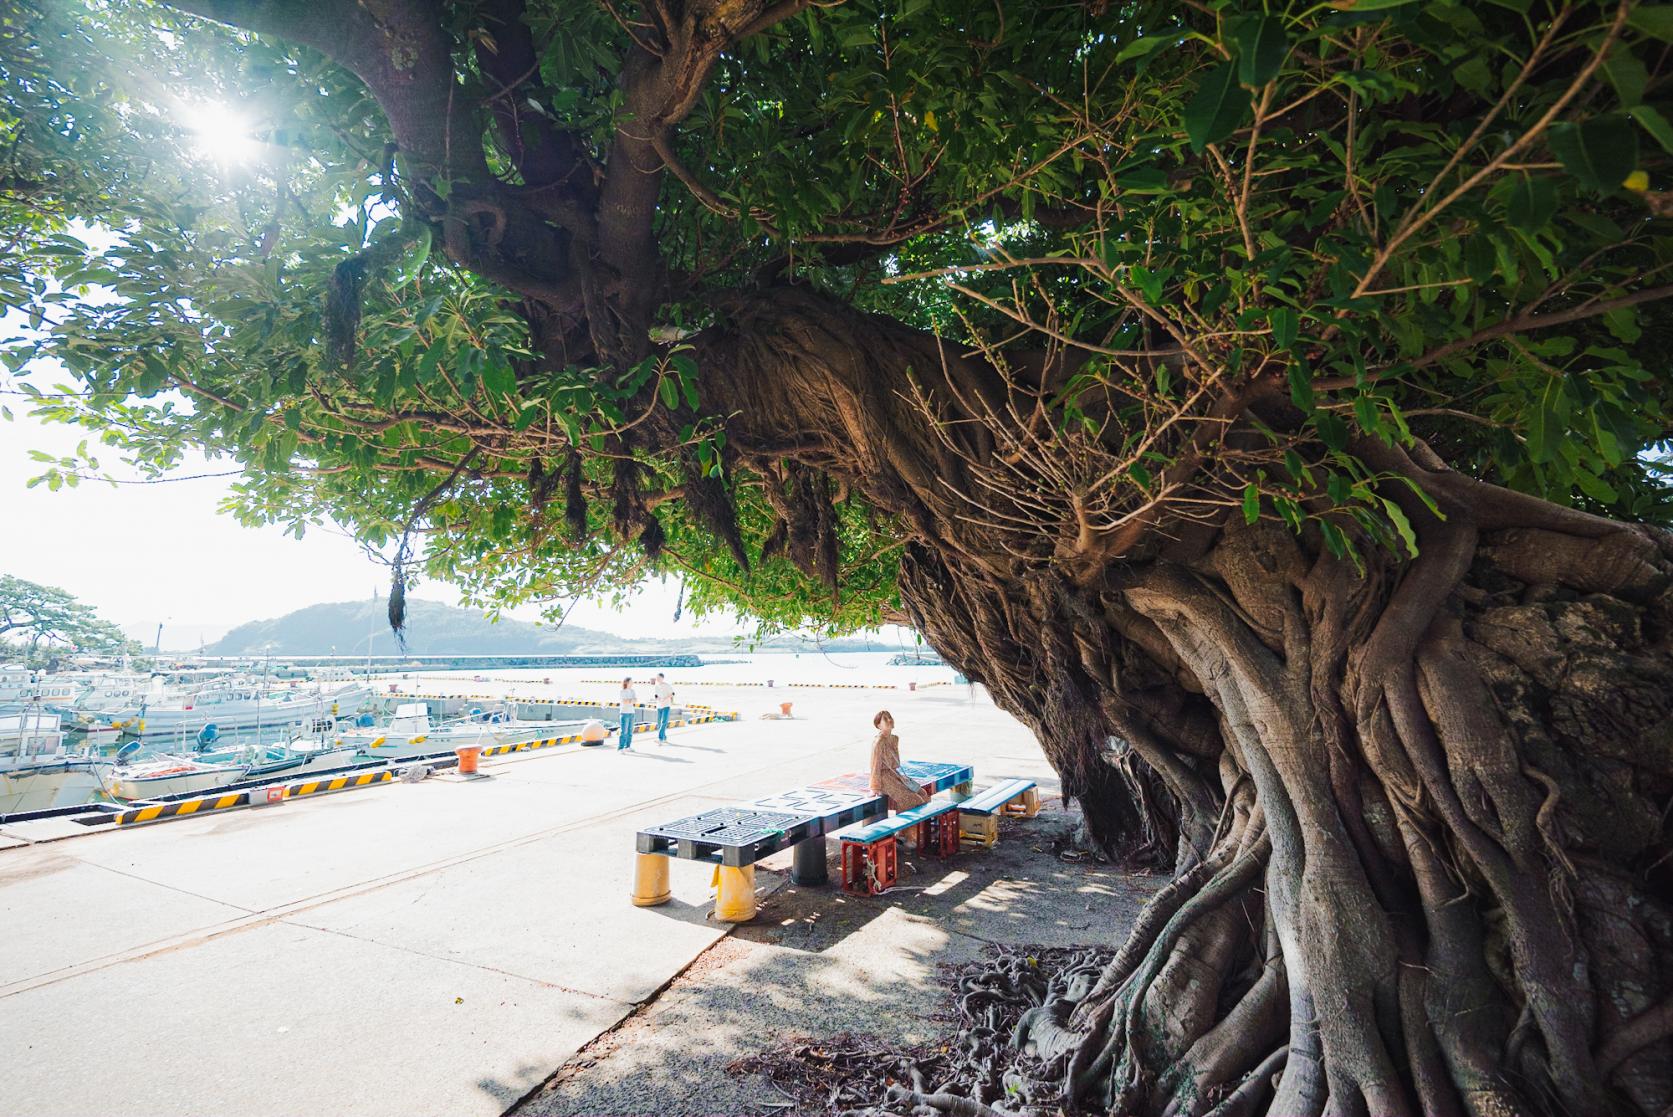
(1522, 323)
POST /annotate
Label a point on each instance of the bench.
(979, 814)
(733, 839)
(871, 855)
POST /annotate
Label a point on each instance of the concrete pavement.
(437, 947)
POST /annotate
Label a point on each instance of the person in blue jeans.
(664, 706)
(630, 705)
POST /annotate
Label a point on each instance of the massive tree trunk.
(1417, 812)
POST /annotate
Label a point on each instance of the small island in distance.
(346, 628)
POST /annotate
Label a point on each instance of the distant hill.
(437, 629)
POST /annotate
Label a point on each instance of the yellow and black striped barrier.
(186, 806)
(152, 812)
(575, 738)
(338, 783)
(720, 715)
(523, 746)
(272, 793)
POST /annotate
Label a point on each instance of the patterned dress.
(886, 778)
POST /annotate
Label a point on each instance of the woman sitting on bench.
(885, 767)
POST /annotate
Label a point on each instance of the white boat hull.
(149, 721)
(321, 760)
(184, 781)
(48, 786)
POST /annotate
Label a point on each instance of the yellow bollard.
(735, 895)
(650, 880)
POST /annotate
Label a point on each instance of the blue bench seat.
(871, 854)
(995, 798)
(905, 820)
(979, 814)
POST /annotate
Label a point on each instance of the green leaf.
(532, 411)
(1545, 421)
(1655, 20)
(1251, 504)
(1333, 432)
(1627, 74)
(1262, 46)
(669, 391)
(1334, 540)
(1402, 525)
(1599, 152)
(1655, 124)
(686, 369)
(412, 260)
(1216, 108)
(499, 379)
(1623, 323)
(1140, 47)
(1368, 5)
(1149, 282)
(1301, 385)
(1532, 203)
(1142, 180)
(1369, 418)
(1285, 322)
(1595, 487)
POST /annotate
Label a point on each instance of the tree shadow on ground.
(819, 963)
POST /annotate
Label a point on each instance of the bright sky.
(150, 554)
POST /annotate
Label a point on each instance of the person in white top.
(664, 706)
(630, 704)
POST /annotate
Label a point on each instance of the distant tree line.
(39, 622)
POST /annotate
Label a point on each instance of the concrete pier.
(439, 947)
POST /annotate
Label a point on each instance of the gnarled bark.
(1418, 812)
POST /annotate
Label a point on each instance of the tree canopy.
(1268, 402)
(36, 618)
(1423, 217)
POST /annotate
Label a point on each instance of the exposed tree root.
(1418, 812)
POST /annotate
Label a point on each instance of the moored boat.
(158, 776)
(37, 772)
(227, 706)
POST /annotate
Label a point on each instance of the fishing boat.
(230, 704)
(101, 691)
(19, 686)
(14, 684)
(280, 762)
(409, 732)
(37, 772)
(167, 774)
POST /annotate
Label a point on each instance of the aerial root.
(1261, 1081)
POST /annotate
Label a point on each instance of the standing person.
(630, 705)
(885, 767)
(664, 706)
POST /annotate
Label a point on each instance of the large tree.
(34, 617)
(1264, 400)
